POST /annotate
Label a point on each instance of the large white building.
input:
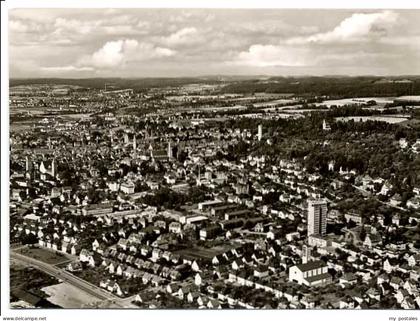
(313, 273)
(317, 217)
(128, 187)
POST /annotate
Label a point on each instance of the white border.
(4, 159)
(295, 4)
(162, 314)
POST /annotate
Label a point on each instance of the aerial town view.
(175, 163)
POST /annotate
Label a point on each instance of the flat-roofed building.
(204, 206)
(317, 217)
(128, 187)
(97, 209)
(236, 214)
(222, 209)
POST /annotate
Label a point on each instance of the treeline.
(328, 86)
(304, 86)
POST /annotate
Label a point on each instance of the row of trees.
(167, 198)
(327, 86)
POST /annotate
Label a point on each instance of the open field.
(274, 103)
(19, 277)
(204, 253)
(44, 255)
(409, 98)
(356, 101)
(21, 126)
(68, 296)
(211, 108)
(387, 119)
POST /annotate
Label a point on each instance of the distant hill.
(137, 84)
(303, 85)
(331, 86)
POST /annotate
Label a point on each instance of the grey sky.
(184, 42)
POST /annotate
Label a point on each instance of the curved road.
(66, 277)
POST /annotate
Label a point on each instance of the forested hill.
(341, 86)
(331, 86)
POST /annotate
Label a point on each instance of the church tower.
(28, 168)
(306, 254)
(325, 125)
(53, 168)
(199, 177)
(170, 152)
(151, 150)
(27, 164)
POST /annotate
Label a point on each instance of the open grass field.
(204, 253)
(68, 296)
(28, 277)
(385, 118)
(44, 255)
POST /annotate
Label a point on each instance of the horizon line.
(215, 76)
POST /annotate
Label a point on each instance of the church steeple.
(151, 150)
(27, 164)
(170, 152)
(53, 168)
(199, 177)
(28, 167)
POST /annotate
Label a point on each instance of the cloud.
(111, 54)
(83, 29)
(259, 28)
(23, 27)
(357, 27)
(183, 36)
(271, 55)
(18, 26)
(154, 42)
(141, 24)
(75, 26)
(299, 56)
(69, 68)
(116, 53)
(301, 51)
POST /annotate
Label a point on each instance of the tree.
(140, 187)
(351, 224)
(362, 233)
(29, 239)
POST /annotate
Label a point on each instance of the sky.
(82, 43)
